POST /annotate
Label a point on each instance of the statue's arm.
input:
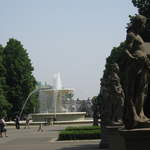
(129, 44)
(129, 41)
(129, 54)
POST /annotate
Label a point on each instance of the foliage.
(116, 54)
(33, 104)
(82, 128)
(4, 105)
(19, 79)
(80, 133)
(143, 7)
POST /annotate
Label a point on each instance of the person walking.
(27, 124)
(3, 128)
(17, 122)
(40, 128)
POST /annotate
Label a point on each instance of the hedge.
(80, 133)
(83, 128)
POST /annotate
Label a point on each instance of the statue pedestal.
(116, 142)
(104, 143)
(110, 137)
(133, 139)
(138, 139)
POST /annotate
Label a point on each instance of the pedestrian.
(3, 128)
(17, 122)
(40, 128)
(27, 124)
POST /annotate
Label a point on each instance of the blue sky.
(72, 37)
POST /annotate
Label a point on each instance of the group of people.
(17, 122)
(3, 130)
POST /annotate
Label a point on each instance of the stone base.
(115, 140)
(138, 139)
(68, 116)
(134, 139)
(104, 143)
(109, 136)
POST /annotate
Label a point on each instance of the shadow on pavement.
(82, 147)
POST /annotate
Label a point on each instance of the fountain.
(30, 94)
(52, 103)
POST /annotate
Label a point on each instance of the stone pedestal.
(116, 142)
(104, 143)
(136, 139)
(110, 137)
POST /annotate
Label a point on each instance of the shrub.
(80, 133)
(83, 128)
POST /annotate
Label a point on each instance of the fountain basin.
(64, 116)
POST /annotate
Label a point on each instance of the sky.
(73, 37)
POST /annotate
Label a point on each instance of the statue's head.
(138, 22)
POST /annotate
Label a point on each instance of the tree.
(116, 54)
(4, 105)
(144, 9)
(19, 79)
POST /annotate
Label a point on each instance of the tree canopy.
(19, 79)
(143, 7)
(4, 104)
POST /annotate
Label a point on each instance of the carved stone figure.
(112, 96)
(136, 74)
(125, 86)
(95, 108)
(117, 94)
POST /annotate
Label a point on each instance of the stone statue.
(95, 108)
(112, 96)
(126, 85)
(136, 75)
(111, 101)
(117, 95)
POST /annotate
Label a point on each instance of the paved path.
(30, 139)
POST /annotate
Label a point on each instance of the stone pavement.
(30, 139)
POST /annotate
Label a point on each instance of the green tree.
(143, 7)
(116, 54)
(4, 105)
(19, 79)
